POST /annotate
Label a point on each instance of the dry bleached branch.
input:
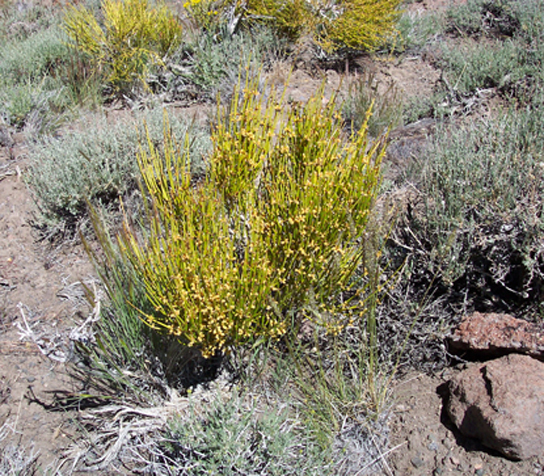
(118, 425)
(52, 347)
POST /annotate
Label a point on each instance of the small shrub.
(211, 61)
(273, 232)
(497, 47)
(18, 22)
(32, 92)
(478, 66)
(236, 438)
(465, 19)
(97, 164)
(133, 36)
(36, 108)
(506, 18)
(416, 30)
(478, 226)
(33, 58)
(362, 95)
(510, 56)
(420, 107)
(352, 24)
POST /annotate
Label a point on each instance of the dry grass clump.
(16, 460)
(364, 93)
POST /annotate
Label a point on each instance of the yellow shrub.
(274, 231)
(205, 13)
(132, 35)
(291, 17)
(205, 273)
(356, 24)
(360, 24)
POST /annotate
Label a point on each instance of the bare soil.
(428, 444)
(40, 289)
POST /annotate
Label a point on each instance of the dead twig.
(381, 457)
(7, 174)
(47, 346)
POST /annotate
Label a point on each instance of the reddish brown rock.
(494, 335)
(501, 403)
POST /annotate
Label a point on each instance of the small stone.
(455, 461)
(438, 471)
(447, 443)
(433, 446)
(464, 467)
(417, 461)
(31, 379)
(480, 472)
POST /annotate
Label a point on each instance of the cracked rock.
(501, 403)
